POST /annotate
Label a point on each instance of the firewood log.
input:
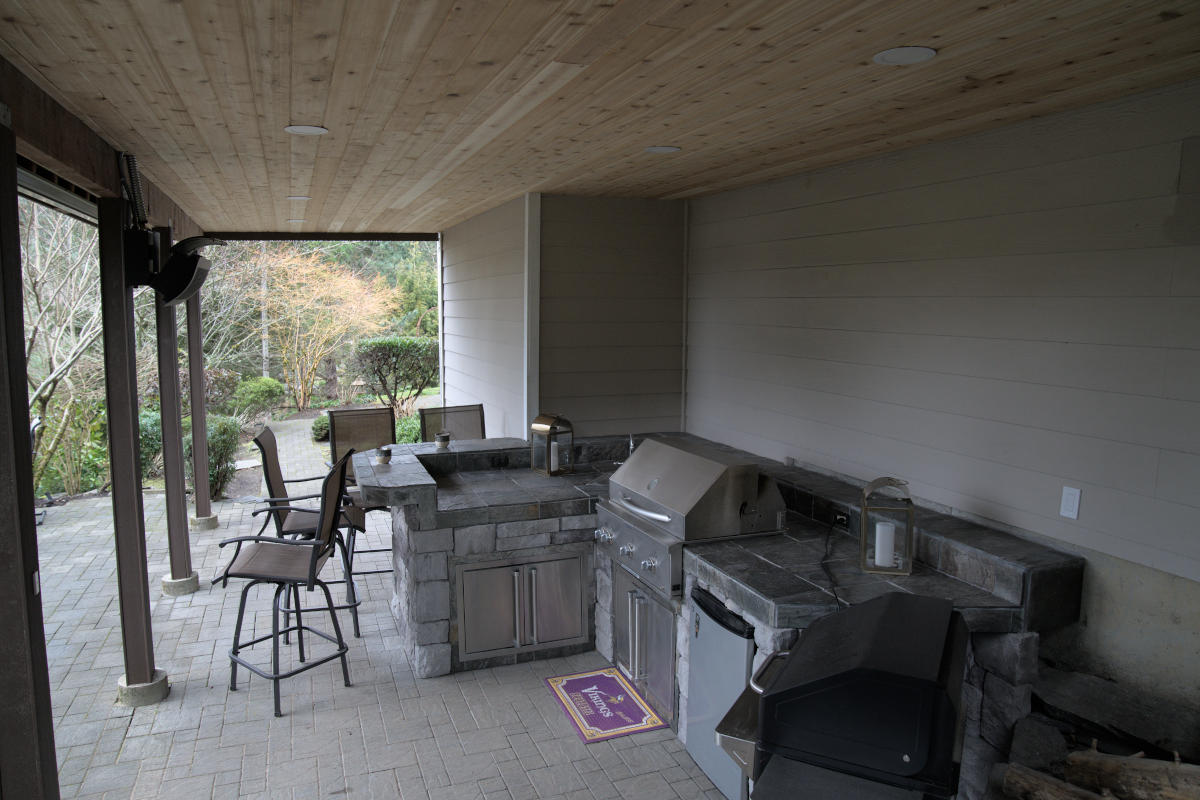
(1023, 783)
(1131, 778)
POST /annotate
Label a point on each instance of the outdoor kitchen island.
(493, 561)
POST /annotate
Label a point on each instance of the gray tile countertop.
(475, 482)
(778, 578)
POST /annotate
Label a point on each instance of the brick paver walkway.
(494, 733)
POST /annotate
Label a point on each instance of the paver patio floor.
(494, 733)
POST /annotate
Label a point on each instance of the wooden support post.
(27, 760)
(204, 519)
(142, 683)
(182, 580)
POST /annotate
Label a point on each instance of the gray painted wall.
(483, 311)
(612, 313)
(991, 318)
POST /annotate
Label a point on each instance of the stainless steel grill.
(668, 494)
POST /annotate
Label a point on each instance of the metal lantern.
(551, 445)
(887, 536)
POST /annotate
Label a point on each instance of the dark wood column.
(27, 760)
(121, 391)
(182, 579)
(204, 519)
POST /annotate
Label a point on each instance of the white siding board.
(1182, 375)
(1130, 370)
(1084, 274)
(1096, 460)
(1135, 322)
(1107, 178)
(483, 317)
(1111, 226)
(1133, 419)
(1178, 479)
(1164, 116)
(612, 334)
(612, 313)
(989, 318)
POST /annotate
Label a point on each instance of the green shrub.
(398, 368)
(408, 429)
(150, 440)
(224, 434)
(320, 428)
(255, 396)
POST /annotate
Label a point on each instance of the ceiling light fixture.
(903, 56)
(306, 130)
(299, 197)
(663, 148)
(295, 220)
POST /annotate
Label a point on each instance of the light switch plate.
(1070, 503)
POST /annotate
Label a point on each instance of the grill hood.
(695, 491)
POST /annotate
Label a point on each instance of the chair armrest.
(303, 480)
(289, 498)
(269, 539)
(300, 509)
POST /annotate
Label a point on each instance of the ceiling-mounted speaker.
(185, 270)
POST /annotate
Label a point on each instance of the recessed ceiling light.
(306, 130)
(295, 220)
(299, 197)
(903, 56)
(663, 148)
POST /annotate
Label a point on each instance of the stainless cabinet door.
(489, 614)
(554, 598)
(657, 626)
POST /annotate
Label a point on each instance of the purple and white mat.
(603, 705)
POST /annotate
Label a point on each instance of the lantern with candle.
(887, 535)
(551, 445)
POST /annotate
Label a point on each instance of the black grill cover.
(874, 691)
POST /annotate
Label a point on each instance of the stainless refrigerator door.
(719, 665)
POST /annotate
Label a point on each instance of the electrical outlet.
(1069, 507)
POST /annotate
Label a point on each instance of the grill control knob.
(603, 535)
(650, 564)
(626, 549)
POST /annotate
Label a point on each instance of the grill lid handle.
(642, 512)
(756, 681)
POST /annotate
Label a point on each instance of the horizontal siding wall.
(990, 318)
(483, 288)
(612, 313)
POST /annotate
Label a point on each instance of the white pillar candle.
(554, 456)
(885, 544)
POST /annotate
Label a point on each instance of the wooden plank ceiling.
(439, 109)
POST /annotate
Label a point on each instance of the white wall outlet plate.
(1070, 503)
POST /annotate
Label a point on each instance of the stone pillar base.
(143, 694)
(203, 523)
(174, 587)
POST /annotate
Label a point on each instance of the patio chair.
(288, 564)
(300, 522)
(361, 429)
(463, 422)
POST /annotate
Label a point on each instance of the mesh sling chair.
(463, 422)
(290, 563)
(361, 429)
(301, 521)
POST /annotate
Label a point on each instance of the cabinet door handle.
(533, 606)
(639, 652)
(516, 608)
(632, 627)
